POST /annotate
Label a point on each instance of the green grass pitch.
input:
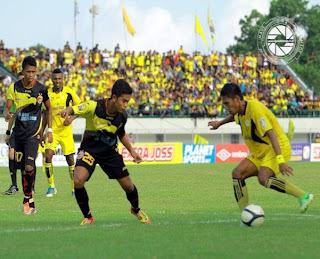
(193, 214)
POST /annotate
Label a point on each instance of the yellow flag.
(126, 20)
(291, 128)
(199, 140)
(211, 27)
(199, 30)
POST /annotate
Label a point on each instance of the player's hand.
(63, 113)
(68, 120)
(214, 125)
(49, 137)
(285, 169)
(136, 157)
(7, 139)
(8, 117)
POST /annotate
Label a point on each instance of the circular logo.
(278, 40)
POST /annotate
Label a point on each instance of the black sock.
(13, 172)
(83, 201)
(34, 178)
(133, 198)
(27, 180)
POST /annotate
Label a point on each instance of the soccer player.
(10, 142)
(105, 121)
(28, 95)
(60, 98)
(270, 149)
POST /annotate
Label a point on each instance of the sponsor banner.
(154, 153)
(315, 152)
(300, 152)
(58, 159)
(231, 153)
(198, 154)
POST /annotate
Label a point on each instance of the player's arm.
(124, 140)
(6, 112)
(8, 132)
(67, 112)
(49, 120)
(216, 124)
(76, 101)
(284, 168)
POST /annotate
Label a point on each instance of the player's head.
(232, 98)
(20, 75)
(121, 94)
(57, 78)
(29, 67)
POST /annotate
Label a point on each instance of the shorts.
(111, 163)
(12, 141)
(66, 143)
(26, 152)
(269, 160)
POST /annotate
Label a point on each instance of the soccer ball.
(252, 215)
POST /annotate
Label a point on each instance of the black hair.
(56, 71)
(20, 74)
(231, 90)
(121, 87)
(29, 61)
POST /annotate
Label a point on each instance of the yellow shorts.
(41, 147)
(269, 160)
(66, 143)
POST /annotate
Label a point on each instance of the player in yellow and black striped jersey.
(270, 149)
(60, 98)
(28, 95)
(105, 121)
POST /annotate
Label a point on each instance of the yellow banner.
(154, 153)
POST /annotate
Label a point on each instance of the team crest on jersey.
(263, 123)
(82, 107)
(80, 154)
(39, 99)
(247, 122)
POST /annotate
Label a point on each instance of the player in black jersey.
(105, 121)
(28, 95)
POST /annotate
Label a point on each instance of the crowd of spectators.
(174, 83)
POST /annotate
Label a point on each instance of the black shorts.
(26, 152)
(12, 141)
(111, 162)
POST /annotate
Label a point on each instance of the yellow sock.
(281, 185)
(71, 172)
(49, 173)
(241, 193)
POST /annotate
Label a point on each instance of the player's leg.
(133, 198)
(268, 178)
(13, 173)
(49, 152)
(30, 154)
(244, 170)
(84, 168)
(70, 161)
(68, 149)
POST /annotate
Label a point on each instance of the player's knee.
(29, 168)
(78, 182)
(262, 179)
(237, 174)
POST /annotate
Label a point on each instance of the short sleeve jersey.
(60, 101)
(28, 103)
(255, 123)
(101, 129)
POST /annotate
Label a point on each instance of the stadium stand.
(171, 84)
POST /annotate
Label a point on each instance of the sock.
(83, 201)
(281, 185)
(43, 163)
(49, 173)
(13, 172)
(71, 172)
(241, 193)
(133, 198)
(27, 179)
(34, 178)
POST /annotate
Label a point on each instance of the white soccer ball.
(252, 215)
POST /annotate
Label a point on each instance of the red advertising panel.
(231, 153)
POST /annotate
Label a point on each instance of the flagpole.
(195, 33)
